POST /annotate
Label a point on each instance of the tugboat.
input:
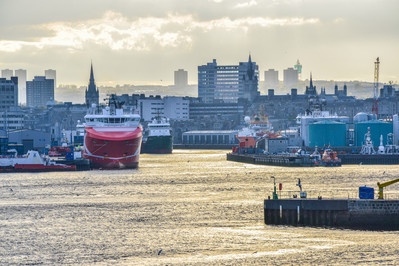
(112, 137)
(330, 158)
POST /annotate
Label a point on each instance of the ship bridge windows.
(115, 120)
(111, 120)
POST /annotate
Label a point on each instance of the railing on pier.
(340, 194)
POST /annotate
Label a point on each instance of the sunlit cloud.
(118, 32)
(12, 46)
(339, 20)
(246, 4)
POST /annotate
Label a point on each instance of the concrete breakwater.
(300, 161)
(354, 214)
(277, 160)
(369, 158)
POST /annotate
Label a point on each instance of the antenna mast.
(376, 75)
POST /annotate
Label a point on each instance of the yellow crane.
(382, 185)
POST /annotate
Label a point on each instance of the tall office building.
(21, 74)
(228, 83)
(271, 78)
(51, 74)
(290, 77)
(39, 91)
(206, 81)
(92, 94)
(181, 78)
(7, 73)
(9, 93)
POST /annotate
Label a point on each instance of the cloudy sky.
(145, 41)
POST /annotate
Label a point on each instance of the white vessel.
(158, 137)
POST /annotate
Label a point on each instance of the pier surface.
(355, 213)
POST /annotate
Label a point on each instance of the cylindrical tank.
(327, 133)
(377, 128)
(360, 117)
(395, 119)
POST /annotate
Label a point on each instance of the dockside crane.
(382, 185)
(374, 109)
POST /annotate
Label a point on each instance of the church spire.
(92, 93)
(311, 90)
(311, 82)
(91, 74)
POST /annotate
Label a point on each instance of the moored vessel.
(112, 137)
(31, 162)
(158, 137)
(328, 158)
(256, 128)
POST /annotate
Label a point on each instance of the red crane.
(374, 109)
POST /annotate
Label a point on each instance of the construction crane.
(382, 185)
(374, 109)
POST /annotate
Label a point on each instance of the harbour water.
(192, 207)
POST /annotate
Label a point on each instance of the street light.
(275, 189)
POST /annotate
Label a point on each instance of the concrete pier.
(354, 214)
(276, 160)
(369, 159)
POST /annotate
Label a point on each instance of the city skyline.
(143, 42)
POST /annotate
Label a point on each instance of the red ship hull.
(37, 168)
(112, 149)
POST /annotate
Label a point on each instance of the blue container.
(366, 192)
(69, 156)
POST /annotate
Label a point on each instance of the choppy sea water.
(189, 208)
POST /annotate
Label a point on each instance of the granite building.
(9, 93)
(39, 91)
(181, 78)
(228, 83)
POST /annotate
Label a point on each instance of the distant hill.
(75, 94)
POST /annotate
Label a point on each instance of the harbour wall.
(369, 159)
(277, 160)
(293, 160)
(354, 214)
(204, 146)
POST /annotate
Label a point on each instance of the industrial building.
(210, 137)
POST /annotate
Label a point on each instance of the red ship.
(112, 137)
